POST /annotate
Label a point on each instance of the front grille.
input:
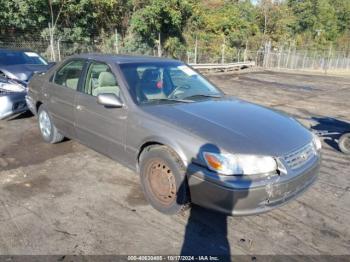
(300, 156)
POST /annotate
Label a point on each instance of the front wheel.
(344, 143)
(47, 128)
(163, 180)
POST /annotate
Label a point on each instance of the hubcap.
(161, 181)
(347, 143)
(45, 124)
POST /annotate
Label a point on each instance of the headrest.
(150, 75)
(106, 79)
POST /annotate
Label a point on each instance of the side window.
(69, 74)
(100, 80)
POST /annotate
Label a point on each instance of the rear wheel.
(344, 143)
(47, 128)
(163, 180)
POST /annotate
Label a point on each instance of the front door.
(61, 94)
(97, 126)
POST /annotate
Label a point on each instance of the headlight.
(229, 164)
(317, 142)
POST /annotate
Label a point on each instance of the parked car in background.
(186, 138)
(16, 69)
(344, 143)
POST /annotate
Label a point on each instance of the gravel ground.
(68, 199)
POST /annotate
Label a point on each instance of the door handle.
(79, 107)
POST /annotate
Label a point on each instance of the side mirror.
(51, 64)
(109, 100)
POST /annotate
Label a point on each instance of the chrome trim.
(300, 157)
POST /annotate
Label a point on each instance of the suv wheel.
(47, 128)
(344, 143)
(163, 180)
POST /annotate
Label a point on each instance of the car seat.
(106, 84)
(149, 84)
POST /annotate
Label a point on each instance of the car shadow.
(26, 114)
(330, 129)
(206, 231)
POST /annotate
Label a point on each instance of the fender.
(164, 141)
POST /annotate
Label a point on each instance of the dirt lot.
(68, 199)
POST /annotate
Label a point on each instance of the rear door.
(97, 126)
(61, 94)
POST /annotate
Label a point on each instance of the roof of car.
(15, 50)
(123, 58)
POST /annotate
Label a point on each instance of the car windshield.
(167, 82)
(20, 58)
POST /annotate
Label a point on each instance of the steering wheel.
(172, 95)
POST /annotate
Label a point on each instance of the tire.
(344, 143)
(163, 180)
(47, 128)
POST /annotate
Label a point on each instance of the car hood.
(235, 126)
(23, 72)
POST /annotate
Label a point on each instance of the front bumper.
(12, 103)
(240, 196)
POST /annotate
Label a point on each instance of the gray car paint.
(11, 104)
(229, 124)
(22, 74)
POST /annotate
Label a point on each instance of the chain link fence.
(266, 57)
(304, 60)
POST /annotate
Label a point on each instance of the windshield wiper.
(168, 99)
(202, 95)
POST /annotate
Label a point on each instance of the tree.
(166, 19)
(22, 18)
(275, 20)
(315, 19)
(177, 25)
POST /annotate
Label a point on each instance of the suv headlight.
(317, 142)
(229, 164)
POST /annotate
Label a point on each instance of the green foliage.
(316, 20)
(342, 11)
(174, 47)
(164, 18)
(134, 44)
(240, 24)
(23, 15)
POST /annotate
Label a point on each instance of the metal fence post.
(195, 50)
(288, 56)
(305, 54)
(279, 58)
(223, 51)
(59, 49)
